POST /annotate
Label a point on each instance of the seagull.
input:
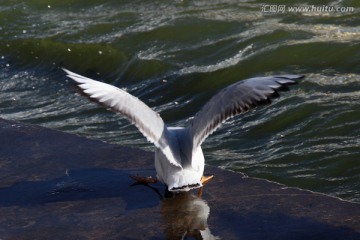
(179, 159)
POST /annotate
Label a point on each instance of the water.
(174, 55)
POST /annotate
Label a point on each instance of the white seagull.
(179, 160)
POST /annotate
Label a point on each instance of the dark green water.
(309, 138)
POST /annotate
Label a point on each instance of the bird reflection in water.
(185, 216)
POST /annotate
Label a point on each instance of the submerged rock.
(56, 185)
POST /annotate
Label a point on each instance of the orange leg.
(204, 180)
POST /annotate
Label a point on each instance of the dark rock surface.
(60, 186)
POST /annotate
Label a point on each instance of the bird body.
(179, 160)
(187, 176)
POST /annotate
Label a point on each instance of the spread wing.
(149, 123)
(235, 99)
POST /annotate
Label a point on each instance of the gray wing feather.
(235, 99)
(149, 123)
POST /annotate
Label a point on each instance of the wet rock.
(56, 185)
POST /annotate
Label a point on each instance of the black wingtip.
(292, 78)
(286, 80)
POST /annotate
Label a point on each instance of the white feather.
(179, 160)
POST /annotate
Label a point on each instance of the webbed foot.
(205, 179)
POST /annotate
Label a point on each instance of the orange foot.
(144, 180)
(205, 179)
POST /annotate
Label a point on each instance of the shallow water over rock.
(61, 186)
